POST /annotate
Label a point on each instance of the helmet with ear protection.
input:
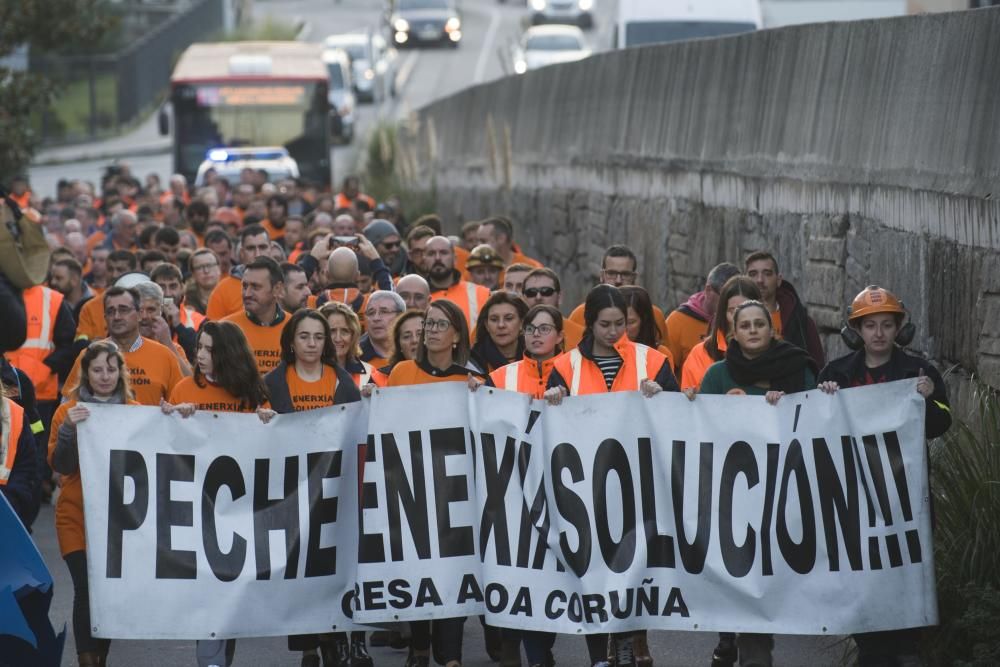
(871, 301)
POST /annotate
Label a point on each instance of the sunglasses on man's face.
(533, 292)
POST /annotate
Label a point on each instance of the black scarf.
(782, 366)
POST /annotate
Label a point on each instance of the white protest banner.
(219, 526)
(616, 512)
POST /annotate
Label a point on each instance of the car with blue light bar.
(229, 162)
(572, 12)
(412, 22)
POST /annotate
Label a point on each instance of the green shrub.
(965, 483)
(383, 176)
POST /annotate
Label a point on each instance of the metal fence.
(98, 95)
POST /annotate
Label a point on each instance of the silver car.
(574, 12)
(340, 93)
(373, 64)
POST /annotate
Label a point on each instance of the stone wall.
(858, 153)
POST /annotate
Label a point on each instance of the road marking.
(404, 72)
(487, 51)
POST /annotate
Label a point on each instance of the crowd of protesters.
(273, 298)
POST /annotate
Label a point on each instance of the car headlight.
(520, 67)
(586, 5)
(453, 24)
(538, 5)
(369, 74)
(401, 25)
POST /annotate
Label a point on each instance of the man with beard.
(183, 321)
(388, 243)
(262, 318)
(197, 215)
(446, 282)
(226, 299)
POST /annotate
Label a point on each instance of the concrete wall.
(860, 153)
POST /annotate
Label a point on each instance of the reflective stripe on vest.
(11, 421)
(640, 364)
(510, 376)
(470, 290)
(44, 339)
(575, 362)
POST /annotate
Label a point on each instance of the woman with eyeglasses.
(499, 339)
(607, 361)
(345, 334)
(307, 378)
(543, 342)
(756, 363)
(104, 378)
(442, 356)
(407, 331)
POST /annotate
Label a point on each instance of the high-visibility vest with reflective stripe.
(361, 379)
(41, 305)
(13, 423)
(523, 376)
(469, 297)
(583, 376)
(191, 318)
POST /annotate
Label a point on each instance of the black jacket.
(796, 325)
(13, 316)
(281, 397)
(850, 371)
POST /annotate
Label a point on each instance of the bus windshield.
(638, 33)
(292, 114)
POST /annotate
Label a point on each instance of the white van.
(643, 22)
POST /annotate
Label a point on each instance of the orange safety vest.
(41, 304)
(583, 376)
(361, 379)
(523, 376)
(13, 422)
(191, 318)
(468, 296)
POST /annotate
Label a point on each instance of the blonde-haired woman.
(103, 379)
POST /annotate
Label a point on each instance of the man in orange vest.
(47, 352)
(20, 192)
(46, 355)
(18, 461)
(447, 283)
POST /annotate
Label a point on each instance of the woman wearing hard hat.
(877, 334)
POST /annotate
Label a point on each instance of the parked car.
(412, 22)
(549, 44)
(573, 12)
(229, 162)
(340, 94)
(373, 63)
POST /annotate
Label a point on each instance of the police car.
(229, 162)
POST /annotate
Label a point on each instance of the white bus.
(641, 22)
